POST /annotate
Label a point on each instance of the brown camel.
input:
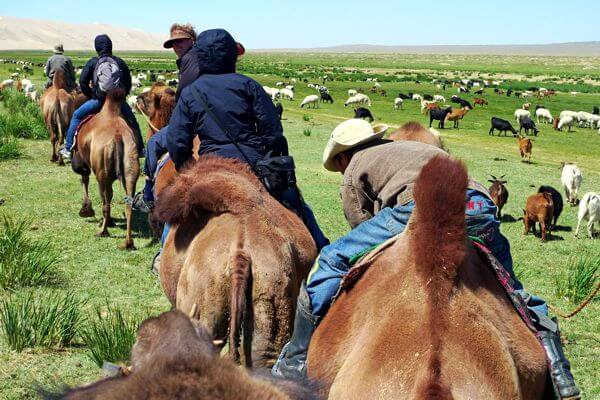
(106, 146)
(414, 131)
(173, 358)
(428, 319)
(237, 253)
(57, 106)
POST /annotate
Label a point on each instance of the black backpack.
(107, 74)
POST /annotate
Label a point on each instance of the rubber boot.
(560, 369)
(292, 361)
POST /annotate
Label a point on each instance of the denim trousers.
(155, 148)
(333, 262)
(93, 106)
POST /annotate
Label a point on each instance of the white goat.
(439, 97)
(566, 120)
(398, 103)
(571, 178)
(363, 99)
(310, 99)
(520, 114)
(286, 94)
(589, 209)
(352, 92)
(544, 114)
(417, 97)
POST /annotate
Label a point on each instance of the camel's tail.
(439, 245)
(119, 159)
(241, 319)
(57, 120)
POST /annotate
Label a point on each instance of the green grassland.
(95, 270)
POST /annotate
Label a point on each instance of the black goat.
(501, 125)
(427, 97)
(596, 111)
(363, 113)
(326, 97)
(439, 115)
(455, 99)
(527, 124)
(464, 103)
(404, 96)
(556, 199)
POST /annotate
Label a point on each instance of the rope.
(581, 306)
(155, 129)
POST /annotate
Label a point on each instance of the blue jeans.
(333, 262)
(93, 106)
(155, 148)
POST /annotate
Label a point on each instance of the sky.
(312, 23)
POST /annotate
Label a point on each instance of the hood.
(217, 52)
(103, 45)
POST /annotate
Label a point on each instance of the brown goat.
(498, 192)
(445, 328)
(480, 101)
(57, 106)
(539, 208)
(237, 253)
(173, 358)
(414, 131)
(457, 114)
(525, 146)
(106, 146)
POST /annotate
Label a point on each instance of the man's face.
(180, 46)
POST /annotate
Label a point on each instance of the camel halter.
(155, 129)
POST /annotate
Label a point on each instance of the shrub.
(23, 261)
(10, 147)
(110, 335)
(579, 279)
(48, 321)
(307, 132)
(27, 126)
(306, 117)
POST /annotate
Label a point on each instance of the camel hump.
(58, 80)
(116, 95)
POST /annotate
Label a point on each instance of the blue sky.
(311, 23)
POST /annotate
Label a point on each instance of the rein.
(580, 307)
(155, 129)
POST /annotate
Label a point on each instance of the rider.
(377, 198)
(62, 62)
(182, 41)
(242, 105)
(95, 94)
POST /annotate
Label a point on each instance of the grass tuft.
(49, 321)
(110, 335)
(579, 279)
(10, 147)
(307, 132)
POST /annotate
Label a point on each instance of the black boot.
(560, 369)
(292, 361)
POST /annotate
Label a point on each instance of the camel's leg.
(129, 192)
(106, 193)
(86, 207)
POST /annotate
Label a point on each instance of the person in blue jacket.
(242, 105)
(103, 46)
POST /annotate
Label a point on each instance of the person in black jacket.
(103, 46)
(242, 106)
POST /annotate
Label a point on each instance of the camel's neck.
(111, 107)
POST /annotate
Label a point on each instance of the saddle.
(162, 161)
(86, 119)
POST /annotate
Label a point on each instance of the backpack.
(107, 74)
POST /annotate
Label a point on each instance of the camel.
(57, 106)
(428, 319)
(106, 146)
(414, 131)
(173, 357)
(157, 105)
(237, 253)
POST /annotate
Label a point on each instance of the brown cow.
(457, 114)
(173, 357)
(428, 319)
(57, 107)
(539, 208)
(106, 145)
(414, 131)
(525, 146)
(237, 253)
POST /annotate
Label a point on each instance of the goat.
(456, 115)
(498, 192)
(527, 124)
(439, 115)
(538, 208)
(525, 147)
(556, 199)
(571, 178)
(363, 113)
(589, 209)
(501, 125)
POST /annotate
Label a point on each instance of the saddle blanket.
(86, 119)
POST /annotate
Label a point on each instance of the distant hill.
(36, 34)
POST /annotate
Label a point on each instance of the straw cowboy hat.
(347, 135)
(179, 31)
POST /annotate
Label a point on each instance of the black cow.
(363, 113)
(501, 125)
(439, 115)
(326, 97)
(527, 124)
(556, 199)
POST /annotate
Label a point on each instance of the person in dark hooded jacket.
(242, 105)
(96, 97)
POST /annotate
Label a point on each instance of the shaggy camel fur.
(237, 253)
(414, 131)
(157, 104)
(173, 357)
(106, 146)
(428, 319)
(57, 106)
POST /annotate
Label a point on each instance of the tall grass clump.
(24, 261)
(10, 147)
(580, 278)
(110, 335)
(45, 321)
(24, 118)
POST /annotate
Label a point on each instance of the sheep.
(142, 76)
(377, 85)
(571, 178)
(274, 93)
(278, 84)
(398, 103)
(161, 78)
(293, 81)
(132, 102)
(279, 109)
(589, 209)
(499, 193)
(527, 124)
(34, 96)
(311, 85)
(439, 98)
(567, 113)
(27, 85)
(290, 87)
(539, 208)
(544, 115)
(501, 125)
(462, 89)
(520, 114)
(14, 75)
(352, 92)
(526, 106)
(310, 99)
(286, 94)
(363, 99)
(353, 100)
(135, 82)
(567, 120)
(417, 97)
(7, 83)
